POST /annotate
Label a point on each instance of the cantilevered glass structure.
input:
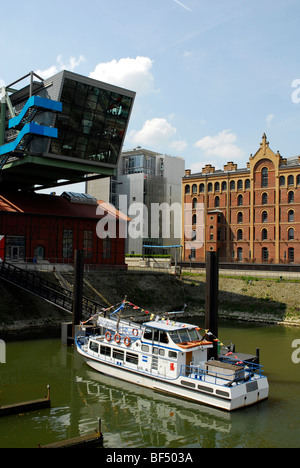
(66, 129)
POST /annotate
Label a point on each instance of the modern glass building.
(66, 129)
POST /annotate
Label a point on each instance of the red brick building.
(258, 209)
(50, 228)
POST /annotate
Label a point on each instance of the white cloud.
(61, 65)
(269, 119)
(178, 145)
(131, 73)
(155, 132)
(221, 145)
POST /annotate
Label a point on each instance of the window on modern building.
(282, 181)
(291, 197)
(240, 234)
(210, 187)
(247, 184)
(201, 188)
(240, 185)
(291, 254)
(232, 185)
(264, 198)
(194, 188)
(290, 180)
(187, 189)
(264, 217)
(217, 202)
(265, 254)
(264, 234)
(240, 200)
(224, 185)
(265, 177)
(291, 216)
(291, 234)
(240, 217)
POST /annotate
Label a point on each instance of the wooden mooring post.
(27, 406)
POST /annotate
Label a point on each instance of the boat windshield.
(183, 335)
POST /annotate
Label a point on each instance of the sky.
(210, 76)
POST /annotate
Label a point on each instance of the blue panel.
(30, 128)
(39, 102)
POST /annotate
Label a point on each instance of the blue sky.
(211, 76)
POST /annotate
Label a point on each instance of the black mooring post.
(212, 296)
(78, 288)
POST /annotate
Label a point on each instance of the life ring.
(117, 338)
(127, 341)
(135, 332)
(108, 336)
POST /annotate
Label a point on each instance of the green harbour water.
(133, 417)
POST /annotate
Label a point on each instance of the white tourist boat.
(172, 357)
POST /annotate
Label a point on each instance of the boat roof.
(168, 325)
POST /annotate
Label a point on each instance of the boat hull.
(225, 398)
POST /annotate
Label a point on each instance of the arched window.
(194, 203)
(265, 177)
(264, 198)
(217, 187)
(291, 234)
(264, 217)
(210, 187)
(290, 180)
(217, 202)
(291, 216)
(265, 254)
(194, 188)
(291, 197)
(187, 189)
(298, 179)
(240, 217)
(264, 234)
(240, 200)
(240, 185)
(282, 181)
(240, 235)
(232, 185)
(224, 185)
(194, 219)
(201, 188)
(247, 184)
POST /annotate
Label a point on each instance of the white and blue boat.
(171, 357)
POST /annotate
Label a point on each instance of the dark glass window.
(68, 243)
(265, 177)
(92, 124)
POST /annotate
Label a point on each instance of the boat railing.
(245, 372)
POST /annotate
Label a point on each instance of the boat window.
(188, 384)
(159, 351)
(148, 334)
(94, 347)
(172, 354)
(145, 348)
(184, 336)
(106, 350)
(174, 336)
(163, 337)
(117, 354)
(132, 358)
(156, 335)
(194, 334)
